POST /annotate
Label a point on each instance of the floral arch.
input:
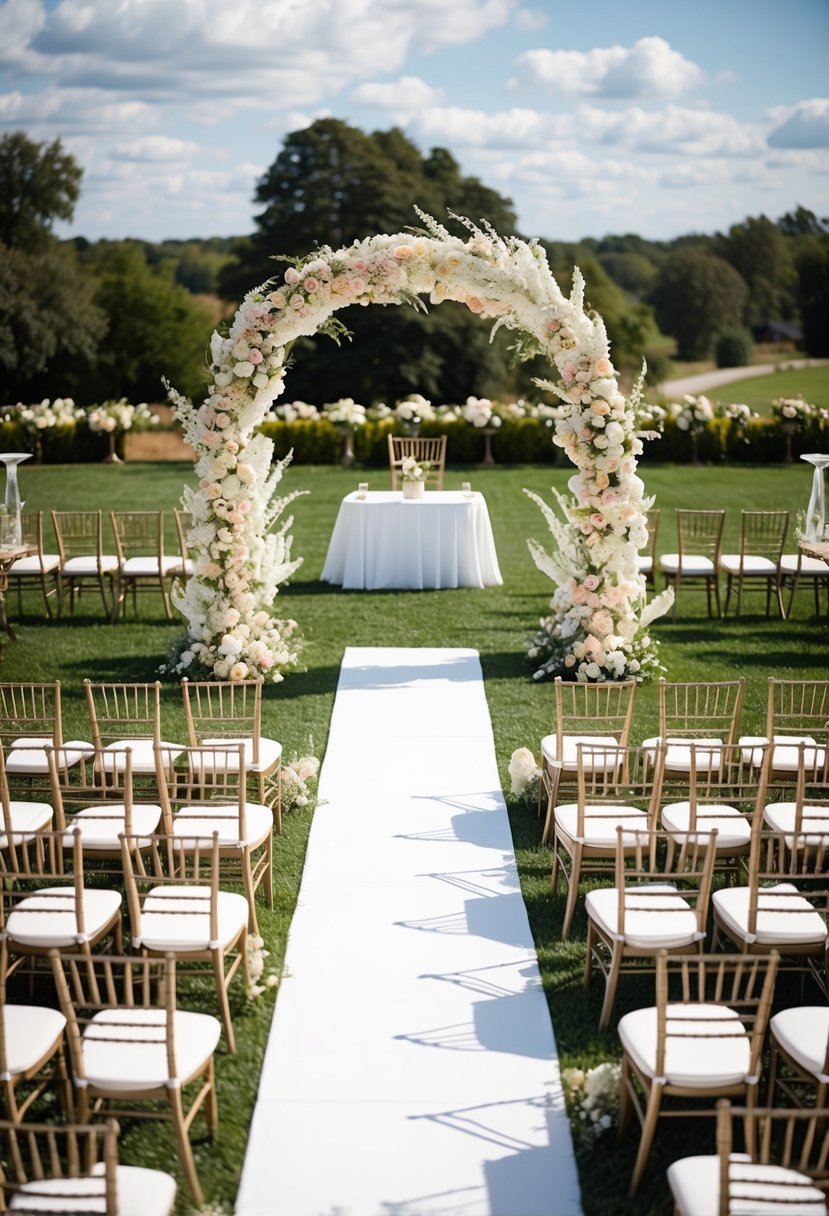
(597, 627)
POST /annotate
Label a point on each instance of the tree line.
(106, 319)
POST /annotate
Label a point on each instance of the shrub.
(733, 348)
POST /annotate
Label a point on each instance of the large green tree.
(47, 312)
(761, 254)
(155, 327)
(695, 297)
(332, 184)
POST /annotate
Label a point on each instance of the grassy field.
(811, 383)
(495, 621)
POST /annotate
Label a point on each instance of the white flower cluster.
(239, 565)
(692, 413)
(345, 412)
(523, 772)
(295, 780)
(46, 415)
(120, 416)
(414, 470)
(594, 1098)
(256, 955)
(797, 411)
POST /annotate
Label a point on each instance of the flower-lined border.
(240, 560)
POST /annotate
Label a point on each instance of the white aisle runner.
(411, 1068)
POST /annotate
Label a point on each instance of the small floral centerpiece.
(414, 476)
(593, 1099)
(295, 781)
(114, 417)
(523, 772)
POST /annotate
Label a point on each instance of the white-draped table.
(384, 541)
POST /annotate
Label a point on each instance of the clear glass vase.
(815, 526)
(11, 527)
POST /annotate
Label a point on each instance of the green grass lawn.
(495, 621)
(811, 383)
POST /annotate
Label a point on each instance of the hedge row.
(516, 441)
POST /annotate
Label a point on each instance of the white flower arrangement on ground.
(414, 470)
(593, 1099)
(120, 416)
(295, 781)
(256, 955)
(523, 772)
(240, 563)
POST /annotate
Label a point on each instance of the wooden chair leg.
(611, 984)
(625, 1102)
(224, 1002)
(185, 1148)
(572, 891)
(646, 1142)
(588, 960)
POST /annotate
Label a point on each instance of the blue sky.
(593, 117)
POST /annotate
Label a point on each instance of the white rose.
(243, 369)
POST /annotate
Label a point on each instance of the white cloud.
(804, 126)
(20, 21)
(75, 111)
(514, 128)
(530, 20)
(157, 149)
(650, 68)
(404, 96)
(670, 130)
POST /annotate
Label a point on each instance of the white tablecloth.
(385, 541)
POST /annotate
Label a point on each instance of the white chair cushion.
(654, 919)
(600, 823)
(784, 918)
(708, 753)
(80, 566)
(200, 821)
(35, 564)
(733, 828)
(785, 752)
(48, 918)
(148, 567)
(803, 1032)
(126, 1049)
(29, 755)
(693, 564)
(598, 762)
(178, 918)
(140, 1192)
(810, 567)
(143, 756)
(100, 826)
(722, 1057)
(270, 753)
(31, 1031)
(780, 816)
(26, 819)
(753, 565)
(695, 1186)
(644, 565)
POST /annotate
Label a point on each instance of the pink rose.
(591, 583)
(598, 520)
(569, 660)
(311, 285)
(255, 356)
(292, 276)
(474, 304)
(222, 421)
(297, 303)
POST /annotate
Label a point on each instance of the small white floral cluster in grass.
(119, 416)
(295, 781)
(523, 772)
(256, 952)
(414, 470)
(593, 1098)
